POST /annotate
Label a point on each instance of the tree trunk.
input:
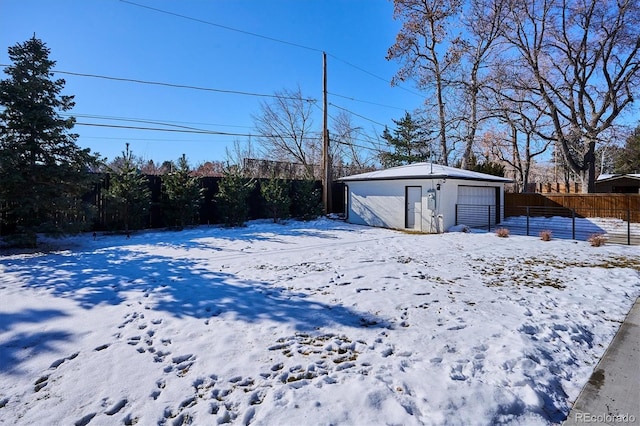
(443, 122)
(588, 172)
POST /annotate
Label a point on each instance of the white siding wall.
(382, 203)
(376, 203)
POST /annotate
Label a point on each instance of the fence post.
(628, 226)
(456, 214)
(489, 217)
(528, 221)
(573, 224)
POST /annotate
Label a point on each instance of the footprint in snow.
(182, 364)
(55, 364)
(85, 420)
(134, 340)
(116, 407)
(40, 383)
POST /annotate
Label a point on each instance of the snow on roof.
(607, 176)
(424, 171)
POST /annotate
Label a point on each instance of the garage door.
(476, 206)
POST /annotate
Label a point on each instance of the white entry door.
(414, 207)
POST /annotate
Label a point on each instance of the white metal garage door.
(476, 206)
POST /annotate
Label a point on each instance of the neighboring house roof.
(424, 171)
(607, 177)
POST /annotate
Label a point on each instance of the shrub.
(502, 232)
(233, 197)
(129, 191)
(545, 235)
(597, 240)
(275, 193)
(307, 200)
(182, 196)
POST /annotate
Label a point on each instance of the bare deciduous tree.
(285, 130)
(483, 21)
(579, 61)
(422, 48)
(349, 143)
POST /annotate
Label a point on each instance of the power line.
(374, 75)
(371, 148)
(179, 86)
(301, 46)
(148, 121)
(184, 130)
(213, 24)
(168, 123)
(366, 102)
(237, 92)
(357, 115)
(209, 89)
(140, 139)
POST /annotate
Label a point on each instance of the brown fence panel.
(621, 206)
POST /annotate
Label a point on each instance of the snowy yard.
(306, 323)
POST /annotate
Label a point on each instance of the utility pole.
(326, 156)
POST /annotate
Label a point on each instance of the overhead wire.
(356, 114)
(365, 102)
(148, 121)
(209, 89)
(203, 132)
(277, 40)
(355, 139)
(182, 130)
(187, 129)
(180, 86)
(213, 24)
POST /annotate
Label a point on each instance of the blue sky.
(118, 39)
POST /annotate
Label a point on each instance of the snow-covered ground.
(565, 227)
(306, 323)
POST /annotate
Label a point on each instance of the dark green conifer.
(129, 191)
(233, 196)
(182, 196)
(43, 173)
(275, 193)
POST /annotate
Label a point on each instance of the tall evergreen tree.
(409, 143)
(43, 173)
(233, 196)
(129, 191)
(182, 196)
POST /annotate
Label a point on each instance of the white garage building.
(424, 197)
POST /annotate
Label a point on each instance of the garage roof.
(424, 171)
(606, 177)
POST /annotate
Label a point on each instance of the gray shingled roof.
(424, 171)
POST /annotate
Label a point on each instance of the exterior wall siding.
(381, 203)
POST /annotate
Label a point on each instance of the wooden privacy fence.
(576, 208)
(619, 206)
